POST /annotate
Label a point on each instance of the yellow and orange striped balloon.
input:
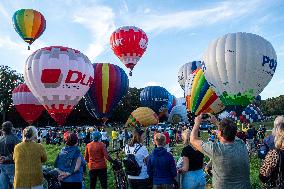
(29, 24)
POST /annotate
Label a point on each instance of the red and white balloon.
(59, 77)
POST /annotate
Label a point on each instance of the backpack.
(132, 167)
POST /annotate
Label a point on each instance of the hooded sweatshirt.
(66, 161)
(161, 167)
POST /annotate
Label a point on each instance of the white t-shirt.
(140, 156)
(104, 135)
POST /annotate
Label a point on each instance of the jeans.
(7, 175)
(102, 174)
(194, 180)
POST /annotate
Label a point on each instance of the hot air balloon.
(26, 103)
(59, 77)
(238, 66)
(129, 44)
(251, 114)
(156, 98)
(186, 70)
(171, 103)
(142, 116)
(178, 114)
(202, 99)
(29, 24)
(109, 86)
(180, 101)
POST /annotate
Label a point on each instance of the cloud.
(176, 90)
(223, 11)
(152, 83)
(100, 21)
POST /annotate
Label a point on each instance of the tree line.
(9, 79)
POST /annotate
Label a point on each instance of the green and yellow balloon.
(29, 24)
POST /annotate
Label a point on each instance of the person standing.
(29, 156)
(192, 165)
(272, 169)
(120, 138)
(161, 165)
(230, 160)
(96, 155)
(114, 137)
(8, 141)
(70, 163)
(104, 137)
(136, 147)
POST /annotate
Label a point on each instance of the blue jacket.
(161, 167)
(66, 161)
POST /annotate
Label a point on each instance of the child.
(161, 165)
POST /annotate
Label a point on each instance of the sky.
(179, 31)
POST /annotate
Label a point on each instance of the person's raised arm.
(194, 139)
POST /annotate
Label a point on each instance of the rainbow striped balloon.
(29, 24)
(201, 98)
(109, 86)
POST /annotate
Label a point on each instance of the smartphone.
(205, 116)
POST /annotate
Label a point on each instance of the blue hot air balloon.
(156, 98)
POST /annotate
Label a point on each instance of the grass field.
(53, 150)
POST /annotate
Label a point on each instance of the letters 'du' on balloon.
(238, 66)
(29, 24)
(109, 86)
(26, 103)
(129, 44)
(59, 77)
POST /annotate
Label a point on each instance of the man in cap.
(7, 143)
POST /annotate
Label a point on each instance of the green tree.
(128, 104)
(9, 79)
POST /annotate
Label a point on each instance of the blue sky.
(178, 32)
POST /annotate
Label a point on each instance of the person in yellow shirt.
(114, 136)
(28, 157)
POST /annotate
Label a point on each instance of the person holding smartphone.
(230, 160)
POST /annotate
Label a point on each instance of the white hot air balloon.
(180, 101)
(178, 114)
(238, 66)
(59, 77)
(186, 70)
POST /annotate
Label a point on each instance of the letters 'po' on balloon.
(129, 44)
(142, 116)
(26, 103)
(238, 66)
(29, 24)
(109, 86)
(59, 77)
(186, 70)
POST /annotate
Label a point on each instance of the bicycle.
(118, 171)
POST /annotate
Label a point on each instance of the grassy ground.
(53, 150)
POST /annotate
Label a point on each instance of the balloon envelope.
(109, 86)
(142, 116)
(238, 66)
(155, 97)
(178, 114)
(202, 99)
(129, 44)
(186, 70)
(29, 24)
(59, 77)
(26, 103)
